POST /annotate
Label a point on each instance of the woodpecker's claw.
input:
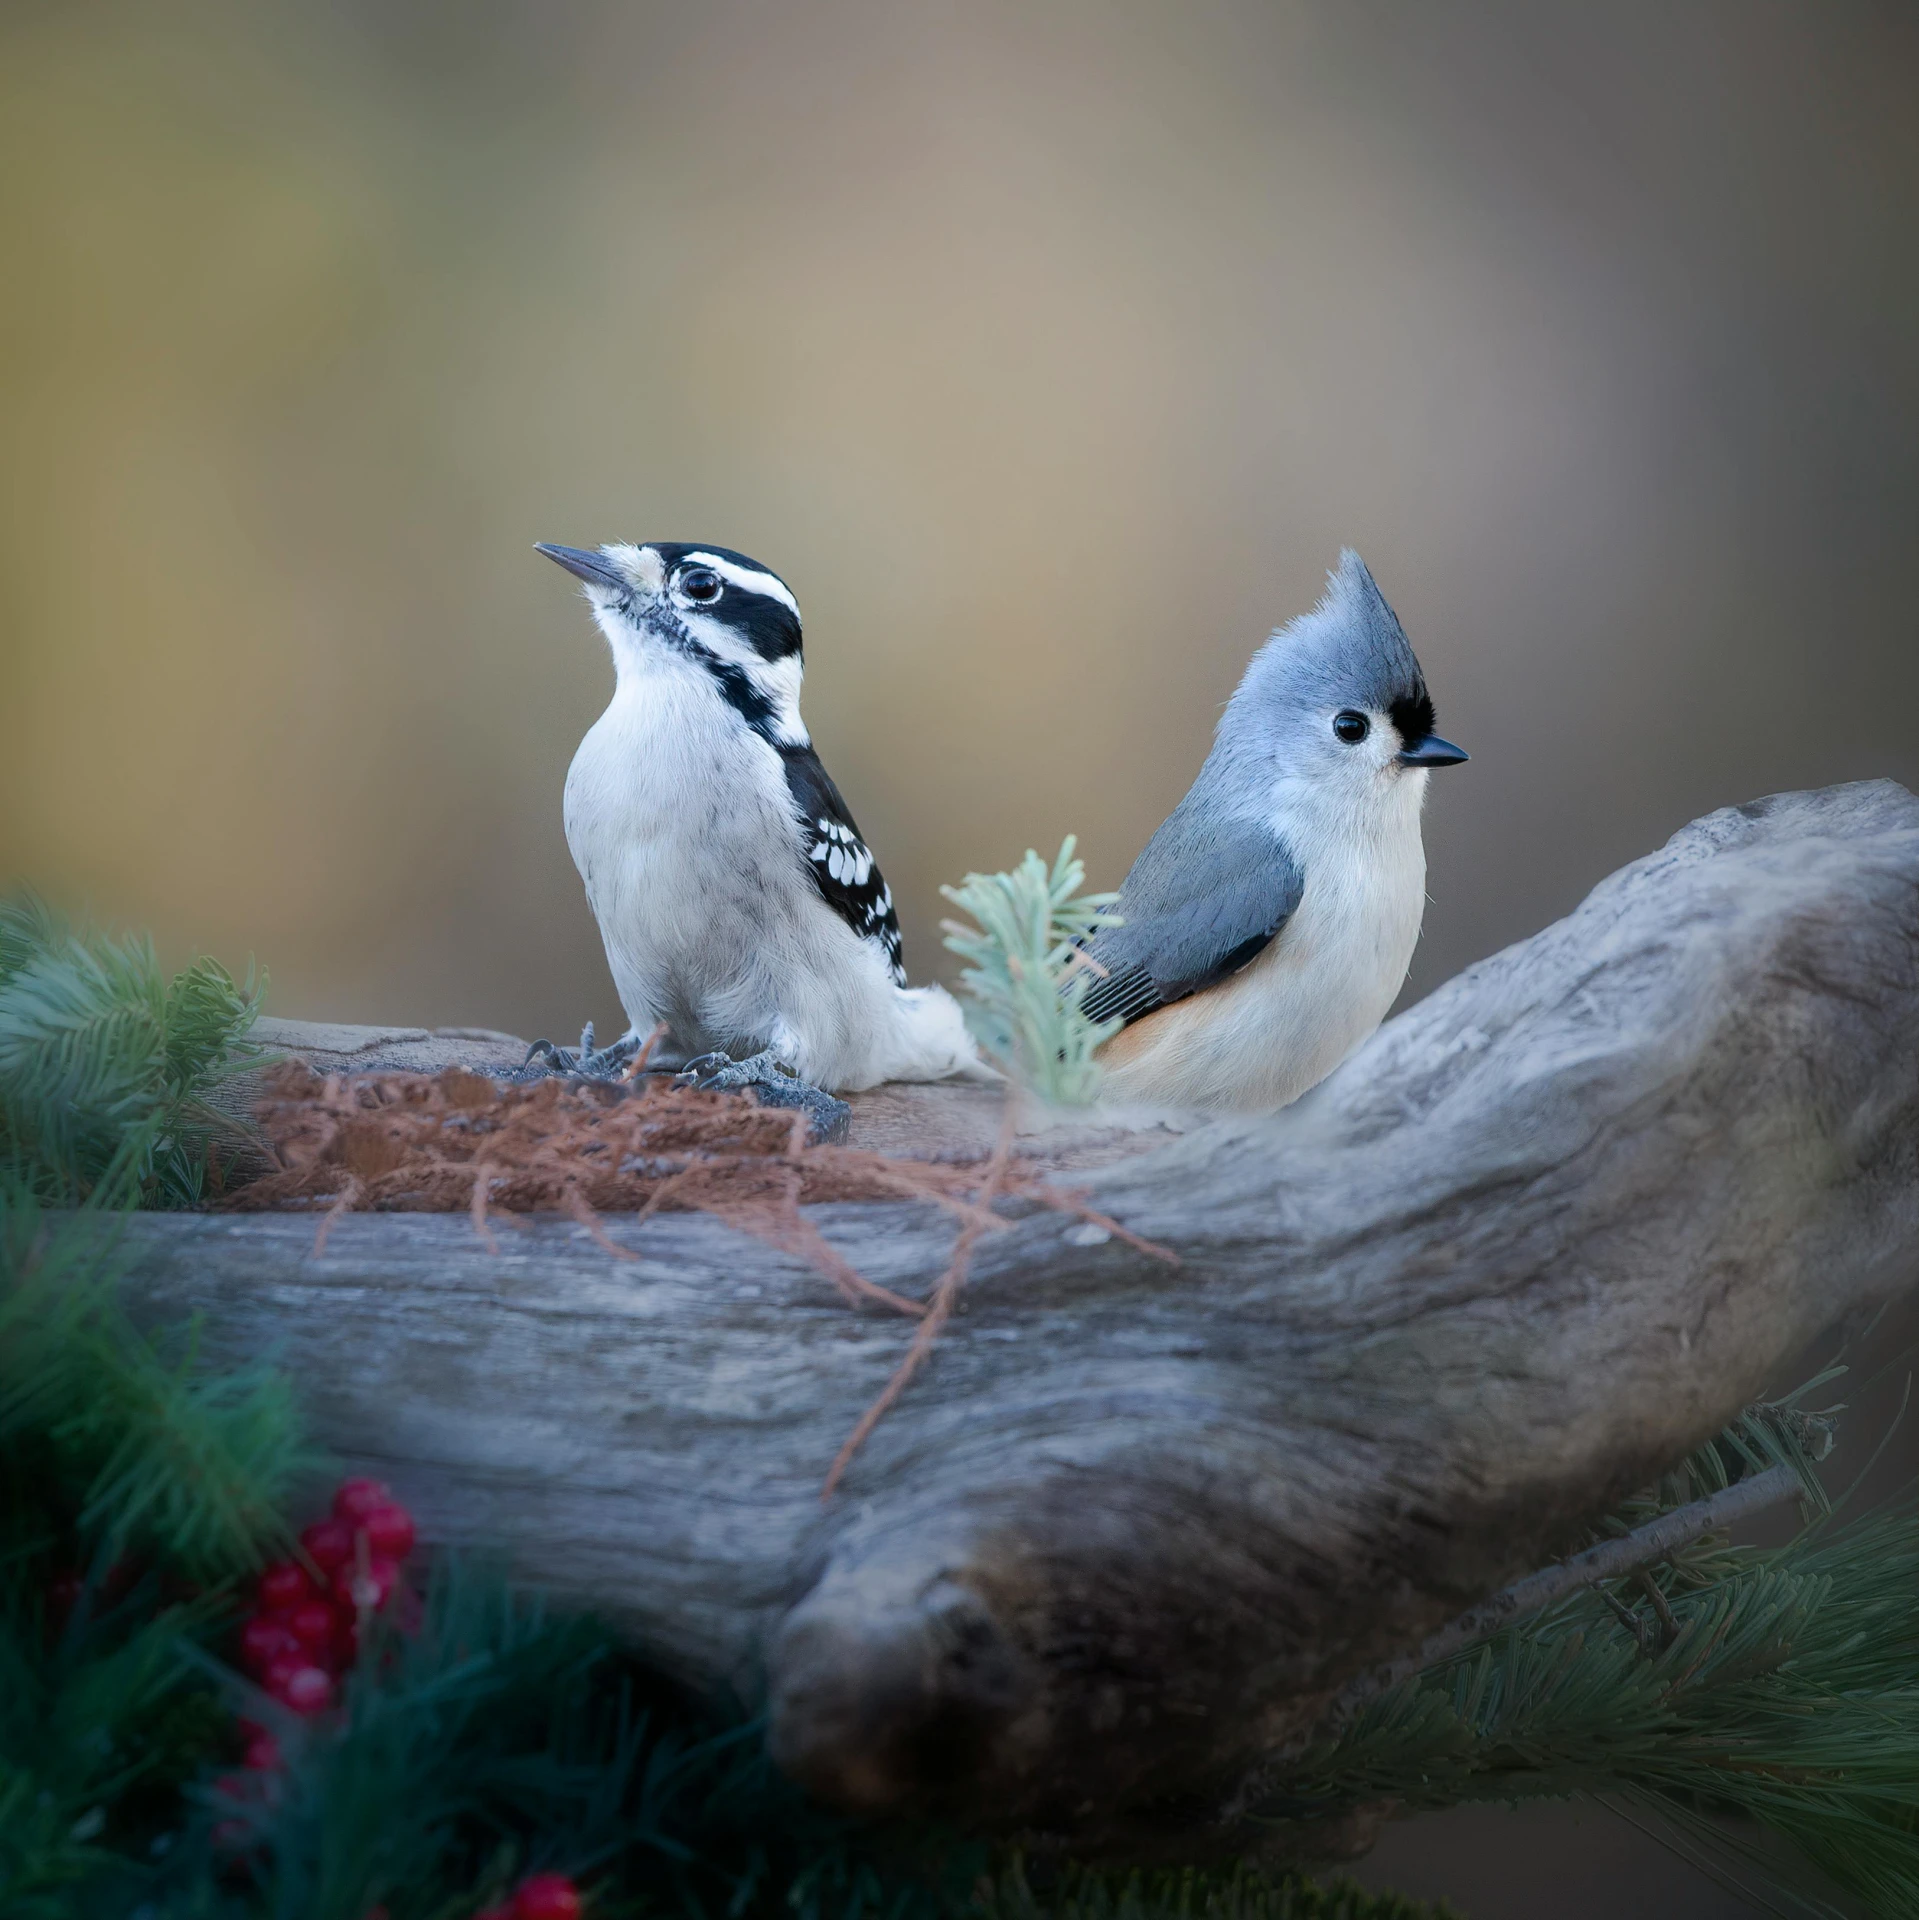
(585, 1062)
(775, 1085)
(608, 1062)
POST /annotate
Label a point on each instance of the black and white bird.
(738, 901)
(1270, 922)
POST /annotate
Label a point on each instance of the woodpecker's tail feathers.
(933, 1041)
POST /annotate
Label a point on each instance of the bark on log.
(1133, 1528)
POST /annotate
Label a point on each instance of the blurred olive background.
(1051, 353)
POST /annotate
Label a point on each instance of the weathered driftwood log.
(1133, 1528)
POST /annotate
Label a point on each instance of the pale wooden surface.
(332, 1046)
(1132, 1527)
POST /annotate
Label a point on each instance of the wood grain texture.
(1133, 1528)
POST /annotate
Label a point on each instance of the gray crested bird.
(739, 904)
(1270, 922)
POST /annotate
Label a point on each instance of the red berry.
(389, 1531)
(329, 1544)
(263, 1641)
(263, 1753)
(547, 1896)
(357, 1498)
(305, 1689)
(314, 1624)
(284, 1584)
(233, 1786)
(232, 1834)
(366, 1592)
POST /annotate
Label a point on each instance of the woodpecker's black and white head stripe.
(740, 623)
(729, 615)
(750, 604)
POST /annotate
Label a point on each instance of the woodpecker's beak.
(594, 568)
(1431, 751)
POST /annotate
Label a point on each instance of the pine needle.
(1028, 974)
(152, 1450)
(1786, 1690)
(131, 1475)
(111, 1075)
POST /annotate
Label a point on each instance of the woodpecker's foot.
(775, 1085)
(584, 1062)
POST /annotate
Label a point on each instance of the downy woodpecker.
(739, 902)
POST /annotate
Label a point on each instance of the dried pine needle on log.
(459, 1142)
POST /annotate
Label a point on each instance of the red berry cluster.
(545, 1896)
(306, 1629)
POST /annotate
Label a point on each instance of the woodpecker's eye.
(698, 584)
(1351, 727)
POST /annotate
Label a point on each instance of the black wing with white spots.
(839, 859)
(1205, 899)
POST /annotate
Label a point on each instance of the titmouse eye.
(699, 584)
(1351, 727)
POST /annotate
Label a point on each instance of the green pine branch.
(111, 1075)
(1779, 1685)
(490, 1739)
(137, 1486)
(1028, 975)
(142, 1446)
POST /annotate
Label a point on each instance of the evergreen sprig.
(1780, 1685)
(142, 1447)
(102, 1724)
(110, 1073)
(1028, 976)
(490, 1739)
(136, 1486)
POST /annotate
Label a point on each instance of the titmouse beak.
(1428, 751)
(595, 568)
